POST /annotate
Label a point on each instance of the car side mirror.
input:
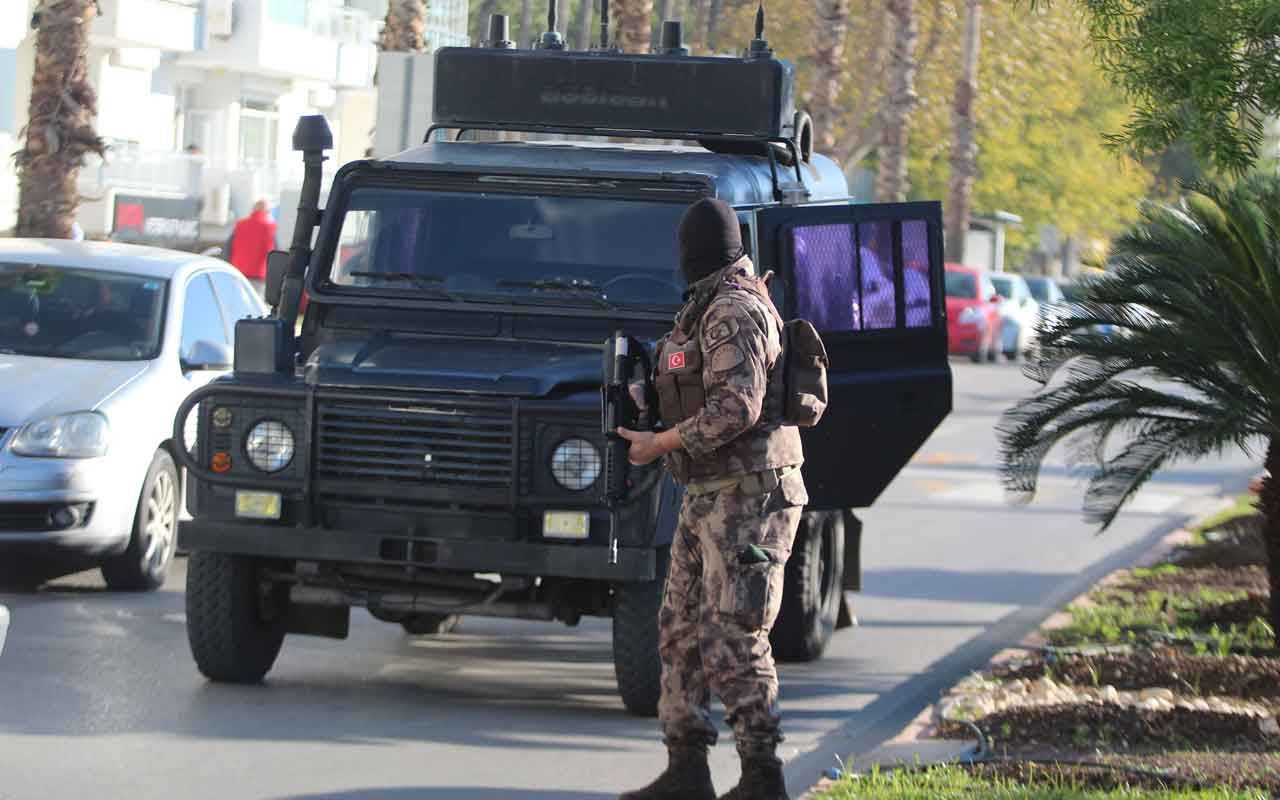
(206, 355)
(277, 267)
(996, 298)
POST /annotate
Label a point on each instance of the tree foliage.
(1204, 72)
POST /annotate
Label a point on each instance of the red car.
(973, 313)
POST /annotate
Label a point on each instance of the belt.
(753, 483)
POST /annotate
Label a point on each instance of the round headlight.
(575, 464)
(269, 446)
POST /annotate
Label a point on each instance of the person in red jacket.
(251, 240)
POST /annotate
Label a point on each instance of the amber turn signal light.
(221, 462)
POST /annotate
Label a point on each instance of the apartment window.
(259, 132)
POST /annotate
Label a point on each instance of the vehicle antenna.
(499, 33)
(604, 24)
(760, 46)
(551, 40)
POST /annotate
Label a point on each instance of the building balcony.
(162, 24)
(291, 39)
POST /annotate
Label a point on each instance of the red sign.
(676, 361)
(130, 216)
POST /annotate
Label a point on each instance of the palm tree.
(1192, 368)
(405, 29)
(59, 132)
(899, 102)
(635, 25)
(830, 32)
(964, 147)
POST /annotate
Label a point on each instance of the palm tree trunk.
(891, 177)
(713, 25)
(527, 33)
(964, 148)
(1269, 502)
(59, 131)
(405, 30)
(584, 24)
(701, 10)
(831, 18)
(635, 25)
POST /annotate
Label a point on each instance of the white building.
(227, 79)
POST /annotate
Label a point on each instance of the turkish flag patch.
(676, 361)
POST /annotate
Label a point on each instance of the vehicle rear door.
(870, 278)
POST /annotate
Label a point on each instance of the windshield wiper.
(418, 282)
(574, 285)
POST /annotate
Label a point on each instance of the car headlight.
(269, 445)
(970, 316)
(575, 464)
(84, 434)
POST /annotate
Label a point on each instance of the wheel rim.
(161, 520)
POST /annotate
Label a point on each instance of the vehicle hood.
(510, 367)
(33, 387)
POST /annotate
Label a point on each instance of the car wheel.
(144, 564)
(430, 624)
(635, 640)
(235, 624)
(813, 590)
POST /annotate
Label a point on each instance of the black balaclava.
(710, 239)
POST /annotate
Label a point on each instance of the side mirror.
(206, 355)
(277, 267)
(996, 298)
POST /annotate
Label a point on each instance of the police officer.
(719, 399)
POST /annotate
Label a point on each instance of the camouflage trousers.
(723, 593)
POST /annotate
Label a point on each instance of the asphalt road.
(99, 698)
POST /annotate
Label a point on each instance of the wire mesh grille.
(270, 446)
(575, 464)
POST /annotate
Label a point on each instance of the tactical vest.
(772, 443)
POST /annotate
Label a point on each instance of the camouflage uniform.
(744, 496)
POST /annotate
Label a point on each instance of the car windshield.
(473, 246)
(1039, 289)
(79, 313)
(962, 284)
(1004, 285)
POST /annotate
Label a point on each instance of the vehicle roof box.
(610, 93)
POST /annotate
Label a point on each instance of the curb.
(914, 743)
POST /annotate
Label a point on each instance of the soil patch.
(1108, 727)
(1237, 543)
(1234, 676)
(1187, 581)
(1172, 770)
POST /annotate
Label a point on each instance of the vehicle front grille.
(39, 517)
(428, 442)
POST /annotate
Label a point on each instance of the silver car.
(99, 343)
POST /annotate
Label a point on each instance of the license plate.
(566, 524)
(258, 505)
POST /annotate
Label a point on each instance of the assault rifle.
(626, 364)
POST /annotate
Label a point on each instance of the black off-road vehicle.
(429, 445)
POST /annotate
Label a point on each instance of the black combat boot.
(687, 777)
(761, 776)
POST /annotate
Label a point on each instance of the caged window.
(846, 275)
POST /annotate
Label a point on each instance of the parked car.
(1044, 289)
(99, 344)
(1019, 314)
(973, 313)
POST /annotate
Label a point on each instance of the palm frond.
(1173, 354)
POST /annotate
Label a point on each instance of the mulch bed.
(1251, 579)
(1239, 543)
(1235, 676)
(1114, 728)
(1235, 770)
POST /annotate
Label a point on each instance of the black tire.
(234, 632)
(430, 624)
(635, 641)
(144, 564)
(813, 590)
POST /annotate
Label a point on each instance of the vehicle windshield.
(481, 246)
(962, 284)
(1039, 289)
(1004, 285)
(79, 313)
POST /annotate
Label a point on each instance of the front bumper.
(966, 339)
(457, 555)
(29, 484)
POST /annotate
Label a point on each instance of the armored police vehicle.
(429, 444)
